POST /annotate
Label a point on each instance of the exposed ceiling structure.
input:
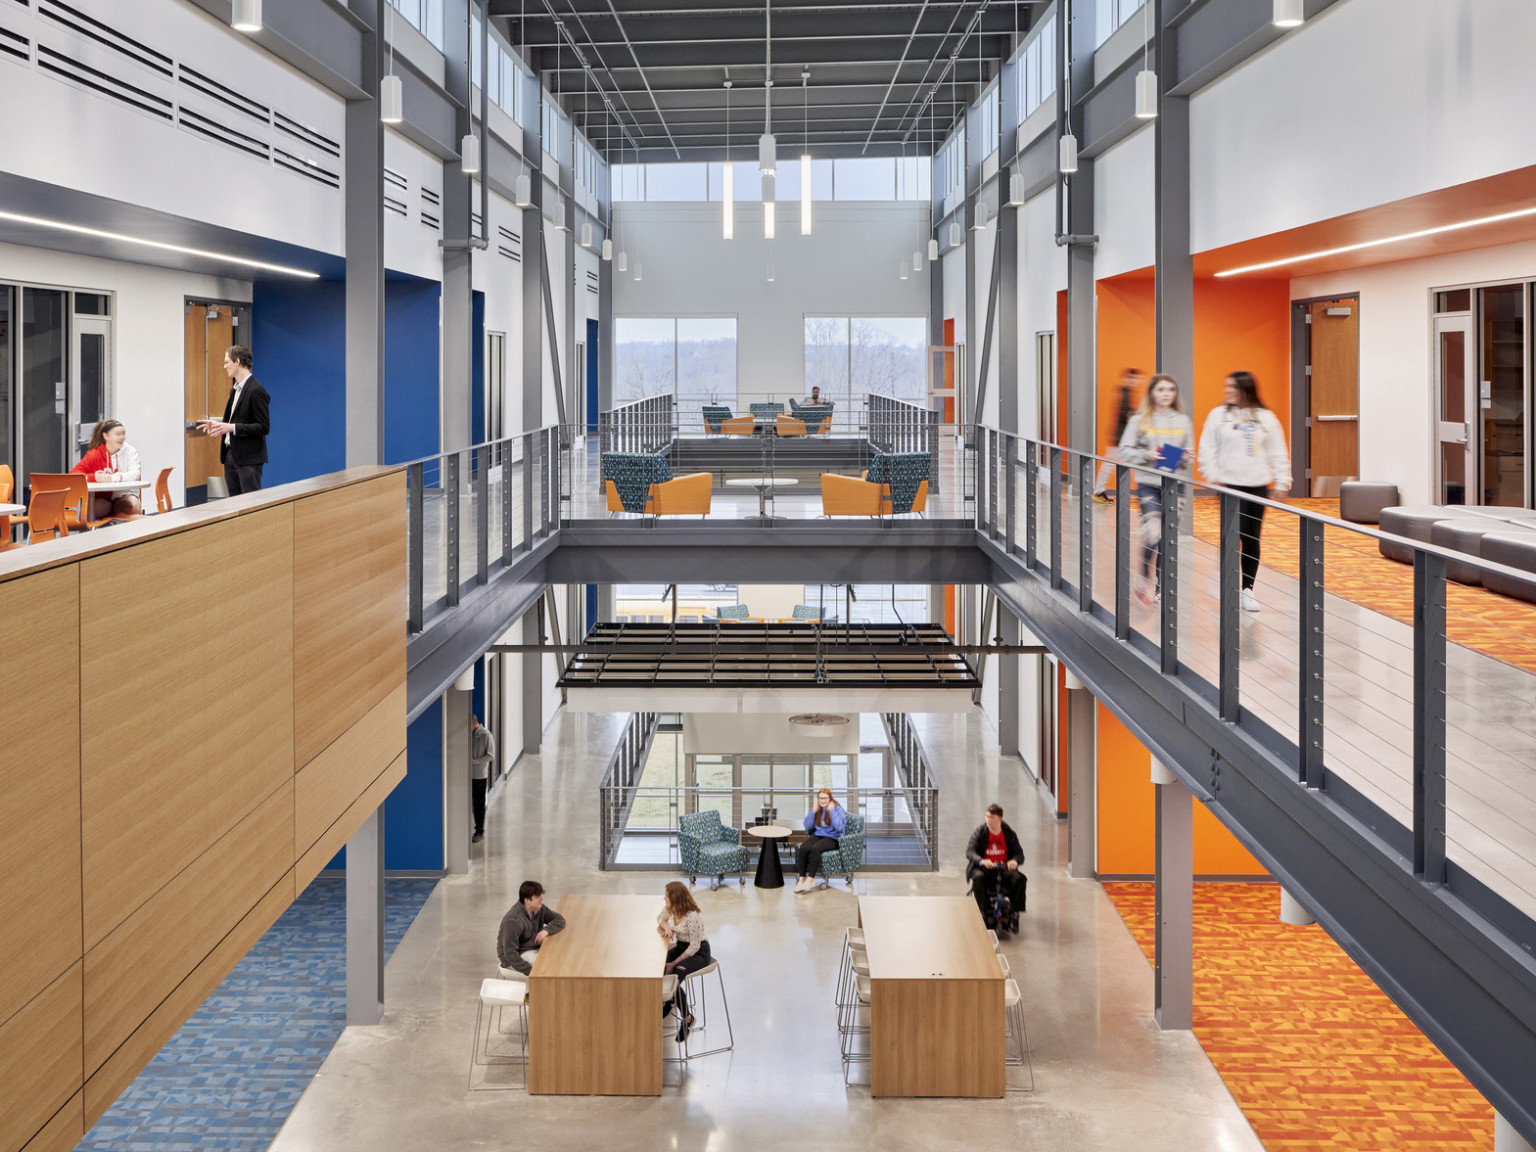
(850, 77)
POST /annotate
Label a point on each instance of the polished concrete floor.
(1105, 1076)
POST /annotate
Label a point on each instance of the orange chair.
(614, 503)
(739, 426)
(78, 503)
(48, 513)
(163, 490)
(681, 496)
(789, 426)
(846, 496)
(7, 483)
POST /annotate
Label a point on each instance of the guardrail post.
(930, 434)
(1429, 717)
(527, 491)
(1031, 501)
(482, 476)
(1010, 486)
(1083, 479)
(451, 523)
(1170, 582)
(1055, 478)
(1310, 729)
(1122, 552)
(986, 473)
(504, 453)
(1227, 620)
(416, 520)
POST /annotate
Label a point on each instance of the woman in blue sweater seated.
(826, 823)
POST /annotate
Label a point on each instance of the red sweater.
(98, 459)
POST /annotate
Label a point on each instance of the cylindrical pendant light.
(728, 210)
(1016, 190)
(805, 194)
(903, 269)
(917, 260)
(523, 196)
(1067, 154)
(622, 263)
(586, 233)
(391, 99)
(767, 154)
(607, 248)
(770, 271)
(1146, 94)
(956, 233)
(469, 155)
(637, 271)
(768, 206)
(1287, 13)
(981, 217)
(933, 249)
(246, 16)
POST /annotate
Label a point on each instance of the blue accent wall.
(477, 368)
(413, 813)
(592, 403)
(412, 357)
(299, 348)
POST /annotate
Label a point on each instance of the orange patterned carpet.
(1353, 570)
(1314, 1053)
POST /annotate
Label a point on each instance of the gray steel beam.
(533, 262)
(1174, 950)
(365, 922)
(1215, 38)
(1175, 265)
(458, 259)
(363, 221)
(1075, 227)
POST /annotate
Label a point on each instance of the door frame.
(80, 326)
(1301, 388)
(1465, 322)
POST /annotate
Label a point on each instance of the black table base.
(770, 873)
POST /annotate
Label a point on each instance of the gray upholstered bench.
(1465, 534)
(1413, 521)
(1516, 549)
(1362, 501)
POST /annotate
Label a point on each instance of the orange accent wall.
(1058, 435)
(1127, 816)
(949, 372)
(949, 610)
(1238, 325)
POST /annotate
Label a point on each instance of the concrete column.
(1175, 952)
(456, 710)
(363, 217)
(1008, 685)
(533, 685)
(1082, 782)
(1506, 1139)
(365, 922)
(458, 304)
(605, 603)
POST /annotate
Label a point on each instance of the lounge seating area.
(1502, 535)
(895, 484)
(642, 483)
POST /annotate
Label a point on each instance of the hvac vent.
(301, 132)
(508, 234)
(107, 35)
(430, 197)
(474, 223)
(14, 45)
(508, 253)
(430, 221)
(305, 168)
(66, 69)
(396, 206)
(224, 94)
(395, 180)
(213, 130)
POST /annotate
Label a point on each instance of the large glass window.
(693, 357)
(986, 121)
(1037, 68)
(851, 356)
(43, 338)
(788, 186)
(872, 603)
(864, 179)
(644, 357)
(1502, 400)
(426, 16)
(1110, 14)
(676, 182)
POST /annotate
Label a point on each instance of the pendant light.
(770, 271)
(622, 263)
(1016, 190)
(767, 151)
(956, 233)
(805, 157)
(917, 259)
(607, 248)
(1287, 14)
(768, 206)
(933, 241)
(1146, 79)
(981, 216)
(469, 154)
(586, 233)
(1068, 154)
(637, 271)
(523, 196)
(903, 269)
(608, 232)
(391, 95)
(246, 16)
(728, 185)
(933, 249)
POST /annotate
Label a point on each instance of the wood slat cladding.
(312, 862)
(40, 781)
(63, 1132)
(143, 960)
(186, 678)
(118, 1072)
(328, 784)
(40, 1060)
(349, 585)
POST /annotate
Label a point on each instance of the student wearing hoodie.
(1242, 447)
(1161, 437)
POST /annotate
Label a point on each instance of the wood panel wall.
(209, 704)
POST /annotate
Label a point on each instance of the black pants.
(698, 960)
(808, 855)
(241, 478)
(1150, 498)
(982, 887)
(1250, 521)
(477, 803)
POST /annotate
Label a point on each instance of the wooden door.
(210, 330)
(1333, 389)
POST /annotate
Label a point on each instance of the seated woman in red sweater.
(109, 454)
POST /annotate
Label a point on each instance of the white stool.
(498, 995)
(852, 938)
(1014, 1029)
(997, 945)
(698, 1006)
(849, 1027)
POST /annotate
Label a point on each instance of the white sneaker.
(1250, 601)
(802, 884)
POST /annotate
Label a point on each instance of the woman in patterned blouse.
(681, 924)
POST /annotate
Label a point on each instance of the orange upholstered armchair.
(789, 426)
(739, 426)
(846, 496)
(683, 495)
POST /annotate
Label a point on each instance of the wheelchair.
(998, 912)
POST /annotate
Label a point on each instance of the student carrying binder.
(1159, 436)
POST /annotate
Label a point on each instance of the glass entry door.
(44, 388)
(1501, 396)
(1456, 408)
(90, 376)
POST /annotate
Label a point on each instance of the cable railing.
(1371, 678)
(644, 425)
(617, 790)
(911, 765)
(477, 510)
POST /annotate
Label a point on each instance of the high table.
(936, 998)
(594, 1000)
(770, 873)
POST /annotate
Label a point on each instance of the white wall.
(847, 267)
(1042, 274)
(1397, 353)
(1125, 205)
(409, 245)
(149, 341)
(1370, 102)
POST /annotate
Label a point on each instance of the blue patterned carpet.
(231, 1075)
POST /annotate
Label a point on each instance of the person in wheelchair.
(994, 860)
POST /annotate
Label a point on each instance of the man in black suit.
(246, 422)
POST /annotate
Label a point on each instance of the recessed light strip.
(81, 230)
(1304, 257)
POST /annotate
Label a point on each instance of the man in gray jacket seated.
(526, 925)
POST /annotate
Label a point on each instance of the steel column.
(1174, 963)
(457, 825)
(533, 684)
(458, 266)
(1228, 624)
(1429, 717)
(1082, 782)
(363, 222)
(1310, 695)
(365, 922)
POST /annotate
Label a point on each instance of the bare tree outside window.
(851, 357)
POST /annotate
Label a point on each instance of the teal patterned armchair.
(766, 412)
(845, 861)
(731, 612)
(815, 416)
(904, 472)
(711, 849)
(713, 415)
(632, 474)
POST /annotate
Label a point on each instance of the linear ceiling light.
(770, 195)
(1326, 252)
(805, 157)
(728, 185)
(81, 230)
(245, 16)
(1287, 13)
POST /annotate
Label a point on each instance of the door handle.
(1336, 418)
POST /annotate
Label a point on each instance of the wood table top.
(926, 938)
(605, 938)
